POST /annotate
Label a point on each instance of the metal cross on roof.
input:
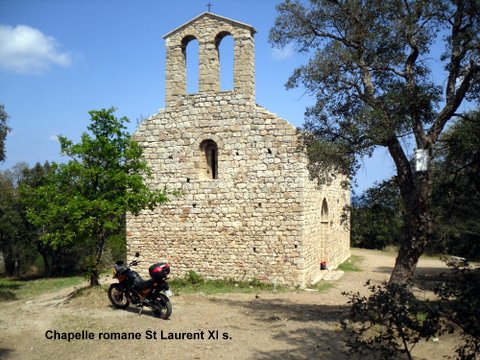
(209, 5)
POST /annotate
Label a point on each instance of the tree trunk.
(94, 277)
(46, 265)
(418, 229)
(97, 258)
(47, 269)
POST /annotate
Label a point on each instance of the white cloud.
(284, 53)
(53, 138)
(24, 49)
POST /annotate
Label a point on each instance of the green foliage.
(4, 129)
(377, 217)
(193, 282)
(19, 239)
(389, 322)
(84, 201)
(369, 71)
(456, 189)
(59, 260)
(193, 278)
(15, 232)
(117, 248)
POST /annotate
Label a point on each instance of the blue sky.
(60, 59)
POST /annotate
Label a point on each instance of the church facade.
(247, 208)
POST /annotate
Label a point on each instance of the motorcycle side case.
(159, 271)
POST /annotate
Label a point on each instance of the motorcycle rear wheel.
(117, 297)
(162, 307)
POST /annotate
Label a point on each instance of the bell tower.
(209, 29)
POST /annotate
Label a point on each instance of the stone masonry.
(247, 208)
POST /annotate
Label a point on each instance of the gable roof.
(212, 15)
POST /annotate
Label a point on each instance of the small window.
(208, 160)
(324, 211)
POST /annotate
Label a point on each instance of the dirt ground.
(292, 325)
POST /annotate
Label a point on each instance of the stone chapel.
(247, 208)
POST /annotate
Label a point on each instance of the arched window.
(225, 48)
(208, 160)
(190, 52)
(324, 211)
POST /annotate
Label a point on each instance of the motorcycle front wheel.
(117, 297)
(162, 307)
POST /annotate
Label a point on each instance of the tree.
(456, 189)
(4, 129)
(61, 259)
(370, 70)
(85, 200)
(15, 231)
(377, 217)
(376, 214)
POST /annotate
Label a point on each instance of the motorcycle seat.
(143, 284)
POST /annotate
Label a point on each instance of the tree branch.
(404, 169)
(453, 102)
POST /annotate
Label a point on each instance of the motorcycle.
(131, 288)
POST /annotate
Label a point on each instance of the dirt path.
(294, 325)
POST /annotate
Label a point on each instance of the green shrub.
(460, 303)
(389, 322)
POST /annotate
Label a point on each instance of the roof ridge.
(207, 13)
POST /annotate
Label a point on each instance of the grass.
(194, 283)
(24, 289)
(351, 265)
(323, 286)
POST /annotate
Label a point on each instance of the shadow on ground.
(425, 278)
(7, 293)
(285, 318)
(5, 353)
(136, 310)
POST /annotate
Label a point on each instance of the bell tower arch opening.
(225, 44)
(190, 50)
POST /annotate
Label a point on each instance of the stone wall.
(246, 223)
(326, 231)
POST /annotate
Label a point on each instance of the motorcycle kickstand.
(140, 311)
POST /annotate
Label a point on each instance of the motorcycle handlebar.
(134, 261)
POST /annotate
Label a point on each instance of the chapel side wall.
(247, 223)
(326, 235)
(338, 244)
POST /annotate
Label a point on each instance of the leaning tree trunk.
(418, 228)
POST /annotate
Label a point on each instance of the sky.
(60, 59)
